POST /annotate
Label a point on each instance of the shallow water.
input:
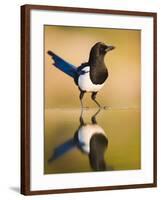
(62, 154)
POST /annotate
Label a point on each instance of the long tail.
(62, 149)
(63, 65)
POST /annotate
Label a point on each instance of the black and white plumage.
(91, 140)
(90, 76)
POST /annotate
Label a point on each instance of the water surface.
(121, 128)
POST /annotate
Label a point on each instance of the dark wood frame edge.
(88, 10)
(25, 98)
(91, 189)
(155, 99)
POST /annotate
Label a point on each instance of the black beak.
(109, 48)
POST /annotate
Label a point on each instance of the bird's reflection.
(90, 139)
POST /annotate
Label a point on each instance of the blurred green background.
(73, 44)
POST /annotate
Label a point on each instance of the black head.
(101, 49)
(98, 146)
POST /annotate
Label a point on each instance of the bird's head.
(100, 49)
(98, 146)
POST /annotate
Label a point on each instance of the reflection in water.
(75, 142)
(90, 139)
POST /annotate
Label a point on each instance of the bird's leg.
(81, 97)
(93, 96)
(93, 118)
(81, 118)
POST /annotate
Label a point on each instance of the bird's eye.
(102, 49)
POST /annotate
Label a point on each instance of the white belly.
(86, 84)
(86, 132)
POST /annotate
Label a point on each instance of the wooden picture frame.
(26, 86)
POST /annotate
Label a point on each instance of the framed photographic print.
(88, 99)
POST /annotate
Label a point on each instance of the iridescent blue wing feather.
(63, 65)
(62, 149)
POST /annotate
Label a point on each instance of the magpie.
(89, 76)
(90, 139)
